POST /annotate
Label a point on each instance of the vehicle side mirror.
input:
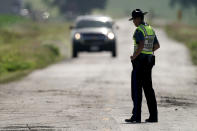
(71, 27)
(117, 27)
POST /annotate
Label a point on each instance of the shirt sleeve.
(139, 36)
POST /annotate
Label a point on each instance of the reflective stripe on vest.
(149, 36)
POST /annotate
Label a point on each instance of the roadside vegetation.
(26, 45)
(185, 34)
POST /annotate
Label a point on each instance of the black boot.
(152, 120)
(133, 120)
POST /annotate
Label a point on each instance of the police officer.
(143, 59)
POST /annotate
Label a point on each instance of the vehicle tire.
(74, 53)
(114, 52)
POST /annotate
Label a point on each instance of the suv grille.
(92, 37)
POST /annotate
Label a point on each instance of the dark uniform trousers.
(142, 79)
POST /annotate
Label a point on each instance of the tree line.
(77, 6)
(185, 4)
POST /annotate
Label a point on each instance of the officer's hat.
(137, 13)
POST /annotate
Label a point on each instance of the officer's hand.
(132, 58)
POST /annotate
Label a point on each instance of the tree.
(77, 6)
(185, 3)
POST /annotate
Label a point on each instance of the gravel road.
(93, 92)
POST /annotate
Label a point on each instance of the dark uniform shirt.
(139, 36)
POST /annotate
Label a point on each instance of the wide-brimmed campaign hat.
(137, 13)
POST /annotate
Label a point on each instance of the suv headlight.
(77, 36)
(111, 36)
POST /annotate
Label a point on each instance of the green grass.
(26, 46)
(186, 34)
(6, 20)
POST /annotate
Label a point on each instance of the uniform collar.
(144, 23)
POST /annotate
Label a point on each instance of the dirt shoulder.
(185, 34)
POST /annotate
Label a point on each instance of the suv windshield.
(94, 24)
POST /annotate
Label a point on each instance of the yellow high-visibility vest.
(149, 36)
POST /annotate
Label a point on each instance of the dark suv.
(93, 34)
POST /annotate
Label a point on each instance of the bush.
(53, 48)
(193, 48)
(12, 62)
